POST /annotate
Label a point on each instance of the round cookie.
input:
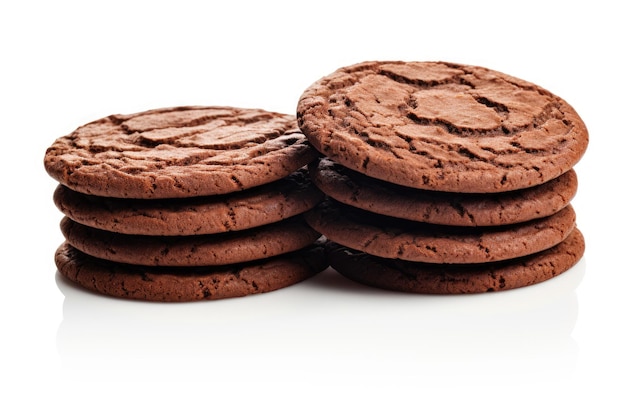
(178, 152)
(453, 209)
(255, 207)
(415, 277)
(189, 284)
(442, 126)
(388, 237)
(206, 250)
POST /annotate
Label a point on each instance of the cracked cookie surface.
(442, 126)
(391, 238)
(178, 152)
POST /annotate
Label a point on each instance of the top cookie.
(442, 126)
(178, 152)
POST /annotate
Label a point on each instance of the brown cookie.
(204, 250)
(178, 152)
(193, 216)
(415, 277)
(453, 209)
(189, 284)
(421, 242)
(442, 126)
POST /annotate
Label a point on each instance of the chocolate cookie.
(453, 209)
(423, 278)
(204, 250)
(193, 216)
(442, 126)
(178, 152)
(189, 284)
(413, 241)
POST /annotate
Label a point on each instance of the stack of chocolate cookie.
(186, 203)
(443, 178)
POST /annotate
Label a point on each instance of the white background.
(326, 346)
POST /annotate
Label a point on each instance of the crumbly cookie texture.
(178, 152)
(442, 126)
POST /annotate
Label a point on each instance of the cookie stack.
(186, 203)
(443, 178)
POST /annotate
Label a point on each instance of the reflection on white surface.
(327, 325)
